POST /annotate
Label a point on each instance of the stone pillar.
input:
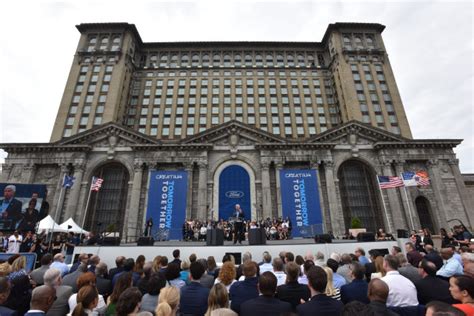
(266, 191)
(407, 206)
(395, 218)
(326, 215)
(335, 207)
(465, 198)
(189, 195)
(5, 174)
(202, 191)
(28, 173)
(73, 199)
(58, 201)
(135, 200)
(439, 192)
(278, 167)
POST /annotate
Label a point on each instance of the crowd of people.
(412, 282)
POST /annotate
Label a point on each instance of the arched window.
(424, 213)
(359, 195)
(104, 42)
(290, 60)
(107, 206)
(92, 43)
(237, 60)
(184, 60)
(195, 60)
(269, 60)
(116, 43)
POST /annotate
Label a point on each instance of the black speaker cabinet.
(402, 233)
(237, 257)
(257, 236)
(368, 236)
(145, 241)
(323, 239)
(215, 237)
(111, 241)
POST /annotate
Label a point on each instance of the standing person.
(27, 243)
(57, 245)
(238, 224)
(70, 243)
(148, 227)
(30, 217)
(14, 242)
(10, 208)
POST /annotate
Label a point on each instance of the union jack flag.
(96, 183)
(388, 182)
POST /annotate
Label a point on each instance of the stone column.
(135, 200)
(73, 199)
(202, 191)
(407, 206)
(439, 192)
(266, 191)
(335, 208)
(28, 173)
(278, 167)
(5, 174)
(394, 216)
(465, 198)
(189, 195)
(326, 216)
(57, 203)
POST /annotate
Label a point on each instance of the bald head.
(43, 297)
(446, 253)
(378, 290)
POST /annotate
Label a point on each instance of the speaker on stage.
(257, 236)
(402, 233)
(145, 241)
(323, 239)
(368, 236)
(215, 237)
(111, 241)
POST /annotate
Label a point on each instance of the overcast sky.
(430, 45)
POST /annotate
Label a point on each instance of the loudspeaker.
(145, 241)
(111, 241)
(215, 237)
(257, 236)
(237, 257)
(382, 251)
(402, 233)
(323, 239)
(369, 236)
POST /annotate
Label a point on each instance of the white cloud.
(430, 44)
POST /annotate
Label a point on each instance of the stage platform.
(274, 247)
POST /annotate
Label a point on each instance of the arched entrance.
(358, 195)
(424, 213)
(234, 188)
(107, 206)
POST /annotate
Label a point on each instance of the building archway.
(359, 195)
(423, 209)
(107, 206)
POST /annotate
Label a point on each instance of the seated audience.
(168, 302)
(103, 284)
(218, 301)
(173, 277)
(331, 290)
(41, 301)
(4, 293)
(194, 296)
(407, 270)
(292, 292)
(377, 295)
(357, 289)
(337, 279)
(38, 274)
(402, 292)
(87, 278)
(345, 267)
(87, 300)
(451, 266)
(278, 268)
(206, 279)
(226, 275)
(150, 299)
(60, 307)
(437, 308)
(431, 288)
(462, 289)
(245, 290)
(124, 281)
(128, 303)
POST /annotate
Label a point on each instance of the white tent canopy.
(48, 224)
(71, 226)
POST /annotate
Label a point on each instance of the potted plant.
(356, 227)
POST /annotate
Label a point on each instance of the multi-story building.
(130, 107)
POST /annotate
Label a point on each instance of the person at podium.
(238, 224)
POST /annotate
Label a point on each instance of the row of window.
(358, 41)
(103, 42)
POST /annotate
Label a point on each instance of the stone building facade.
(333, 106)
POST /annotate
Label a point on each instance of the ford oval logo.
(234, 194)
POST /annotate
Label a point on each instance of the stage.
(274, 247)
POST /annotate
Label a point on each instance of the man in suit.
(292, 292)
(104, 285)
(206, 280)
(41, 301)
(193, 300)
(406, 269)
(71, 278)
(238, 224)
(52, 278)
(38, 274)
(119, 261)
(265, 304)
(83, 258)
(10, 208)
(245, 290)
(357, 289)
(176, 260)
(319, 303)
(5, 288)
(431, 288)
(377, 294)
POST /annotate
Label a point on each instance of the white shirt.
(14, 244)
(401, 291)
(281, 277)
(266, 267)
(226, 286)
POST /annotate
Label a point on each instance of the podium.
(215, 237)
(257, 236)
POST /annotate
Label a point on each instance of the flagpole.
(85, 211)
(409, 208)
(384, 207)
(57, 212)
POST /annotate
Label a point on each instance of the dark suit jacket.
(320, 305)
(71, 280)
(380, 309)
(14, 211)
(264, 305)
(5, 311)
(355, 291)
(293, 292)
(193, 299)
(433, 289)
(38, 275)
(207, 280)
(242, 291)
(35, 314)
(114, 271)
(60, 306)
(104, 286)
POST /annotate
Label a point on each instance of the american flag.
(388, 182)
(96, 183)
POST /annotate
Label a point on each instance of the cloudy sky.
(430, 44)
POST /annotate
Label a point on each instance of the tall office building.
(258, 107)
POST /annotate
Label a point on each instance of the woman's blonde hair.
(227, 273)
(379, 265)
(168, 300)
(330, 289)
(218, 298)
(19, 263)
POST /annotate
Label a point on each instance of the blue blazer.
(263, 305)
(242, 291)
(355, 291)
(193, 300)
(320, 305)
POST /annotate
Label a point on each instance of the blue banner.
(300, 200)
(234, 188)
(167, 203)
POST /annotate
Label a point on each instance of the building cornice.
(420, 143)
(43, 147)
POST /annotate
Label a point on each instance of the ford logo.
(234, 194)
